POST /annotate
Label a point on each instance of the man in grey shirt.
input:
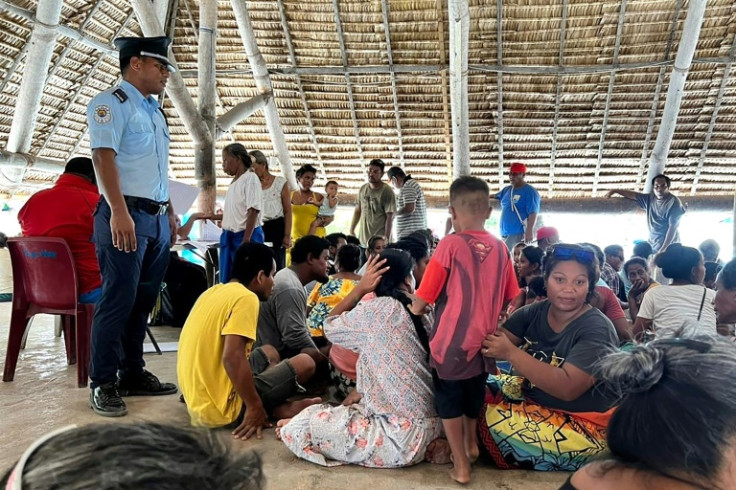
(282, 320)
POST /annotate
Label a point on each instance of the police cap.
(153, 47)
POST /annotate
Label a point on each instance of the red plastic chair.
(44, 281)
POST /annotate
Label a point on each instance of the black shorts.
(457, 398)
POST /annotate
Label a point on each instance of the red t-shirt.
(610, 307)
(469, 278)
(65, 211)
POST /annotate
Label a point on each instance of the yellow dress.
(302, 216)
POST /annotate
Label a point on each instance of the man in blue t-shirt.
(519, 208)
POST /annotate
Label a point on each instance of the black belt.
(147, 205)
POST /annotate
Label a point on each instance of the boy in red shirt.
(470, 279)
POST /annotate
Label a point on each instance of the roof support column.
(459, 35)
(42, 42)
(204, 156)
(263, 83)
(685, 52)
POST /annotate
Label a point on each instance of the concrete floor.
(44, 396)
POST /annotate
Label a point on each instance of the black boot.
(105, 400)
(144, 384)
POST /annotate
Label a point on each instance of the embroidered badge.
(103, 114)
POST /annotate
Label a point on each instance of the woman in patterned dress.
(389, 420)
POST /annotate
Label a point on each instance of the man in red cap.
(547, 236)
(519, 208)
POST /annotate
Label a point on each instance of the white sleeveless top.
(272, 206)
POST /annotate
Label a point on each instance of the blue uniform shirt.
(526, 200)
(136, 130)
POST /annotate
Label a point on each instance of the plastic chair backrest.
(43, 272)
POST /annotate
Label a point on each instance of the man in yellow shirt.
(223, 382)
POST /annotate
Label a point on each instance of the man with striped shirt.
(411, 213)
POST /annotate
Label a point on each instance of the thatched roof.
(554, 93)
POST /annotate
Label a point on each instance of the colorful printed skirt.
(520, 434)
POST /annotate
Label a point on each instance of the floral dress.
(323, 299)
(395, 420)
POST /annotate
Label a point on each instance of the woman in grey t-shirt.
(551, 412)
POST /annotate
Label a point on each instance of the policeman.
(134, 221)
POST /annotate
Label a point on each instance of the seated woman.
(725, 301)
(551, 414)
(636, 270)
(685, 301)
(606, 300)
(529, 266)
(672, 429)
(389, 420)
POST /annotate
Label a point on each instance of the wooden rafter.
(713, 117)
(558, 98)
(499, 88)
(13, 67)
(302, 95)
(389, 53)
(351, 100)
(657, 93)
(445, 88)
(611, 81)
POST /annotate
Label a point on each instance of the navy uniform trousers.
(130, 285)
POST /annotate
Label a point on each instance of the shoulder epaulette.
(121, 95)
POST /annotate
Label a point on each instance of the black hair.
(348, 258)
(643, 249)
(236, 150)
(677, 262)
(727, 276)
(536, 288)
(423, 236)
(331, 182)
(670, 420)
(81, 166)
(334, 237)
(352, 240)
(401, 266)
(592, 269)
(466, 185)
(534, 255)
(148, 455)
(635, 260)
(662, 176)
(125, 64)
(711, 271)
(396, 172)
(305, 169)
(306, 246)
(372, 241)
(710, 250)
(250, 259)
(613, 250)
(598, 252)
(259, 157)
(418, 249)
(377, 162)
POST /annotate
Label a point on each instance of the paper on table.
(209, 232)
(182, 196)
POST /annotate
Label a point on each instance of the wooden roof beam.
(676, 89)
(343, 54)
(302, 95)
(499, 88)
(389, 53)
(611, 81)
(713, 117)
(204, 154)
(558, 98)
(70, 102)
(28, 102)
(657, 93)
(459, 15)
(263, 83)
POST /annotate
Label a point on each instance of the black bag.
(183, 283)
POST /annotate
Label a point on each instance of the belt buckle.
(163, 209)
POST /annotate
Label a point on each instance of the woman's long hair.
(401, 266)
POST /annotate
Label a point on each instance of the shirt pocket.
(138, 136)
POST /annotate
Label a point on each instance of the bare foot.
(290, 409)
(438, 452)
(460, 475)
(473, 453)
(279, 425)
